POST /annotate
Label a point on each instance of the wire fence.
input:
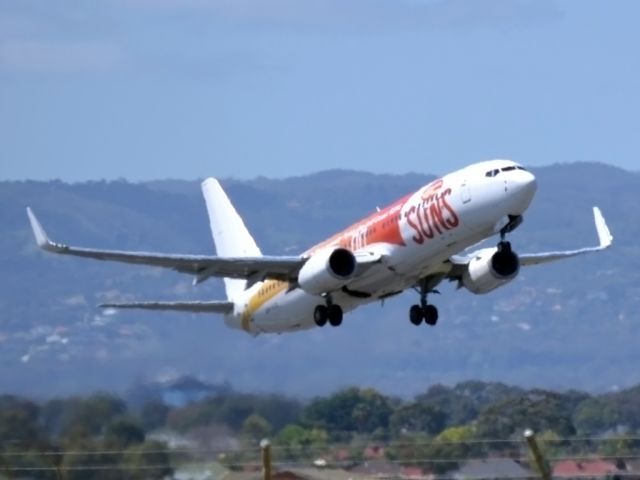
(620, 451)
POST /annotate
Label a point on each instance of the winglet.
(604, 235)
(41, 236)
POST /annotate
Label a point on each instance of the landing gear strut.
(513, 222)
(329, 312)
(424, 311)
(503, 245)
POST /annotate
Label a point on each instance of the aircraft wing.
(604, 236)
(203, 266)
(195, 307)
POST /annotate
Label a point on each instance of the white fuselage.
(415, 237)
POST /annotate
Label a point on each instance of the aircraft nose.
(522, 188)
(526, 182)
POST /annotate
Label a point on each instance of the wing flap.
(194, 307)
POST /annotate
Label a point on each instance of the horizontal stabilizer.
(195, 307)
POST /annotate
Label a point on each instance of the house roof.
(377, 468)
(331, 474)
(412, 472)
(573, 468)
(493, 468)
(299, 474)
(373, 452)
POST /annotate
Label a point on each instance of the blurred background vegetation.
(100, 436)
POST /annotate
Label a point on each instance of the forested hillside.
(572, 324)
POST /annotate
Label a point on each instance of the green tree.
(459, 409)
(464, 401)
(233, 409)
(22, 440)
(595, 416)
(295, 442)
(349, 410)
(87, 459)
(449, 448)
(122, 433)
(409, 449)
(417, 418)
(18, 422)
(626, 404)
(89, 417)
(539, 410)
(255, 428)
(153, 415)
(148, 460)
(620, 447)
(438, 454)
(32, 464)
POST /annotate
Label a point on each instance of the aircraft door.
(465, 193)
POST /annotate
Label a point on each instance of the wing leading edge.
(203, 266)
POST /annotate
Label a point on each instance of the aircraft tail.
(230, 235)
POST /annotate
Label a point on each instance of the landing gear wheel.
(430, 315)
(320, 315)
(415, 314)
(334, 313)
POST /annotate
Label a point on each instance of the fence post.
(543, 467)
(265, 445)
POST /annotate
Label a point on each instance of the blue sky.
(147, 89)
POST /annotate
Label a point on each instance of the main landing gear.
(424, 311)
(330, 312)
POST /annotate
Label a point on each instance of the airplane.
(416, 242)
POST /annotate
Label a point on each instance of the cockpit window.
(510, 168)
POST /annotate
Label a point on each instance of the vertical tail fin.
(230, 235)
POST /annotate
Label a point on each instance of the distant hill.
(571, 324)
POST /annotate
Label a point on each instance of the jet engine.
(491, 268)
(327, 270)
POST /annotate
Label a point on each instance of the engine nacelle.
(326, 271)
(491, 268)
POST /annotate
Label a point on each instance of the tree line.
(471, 418)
